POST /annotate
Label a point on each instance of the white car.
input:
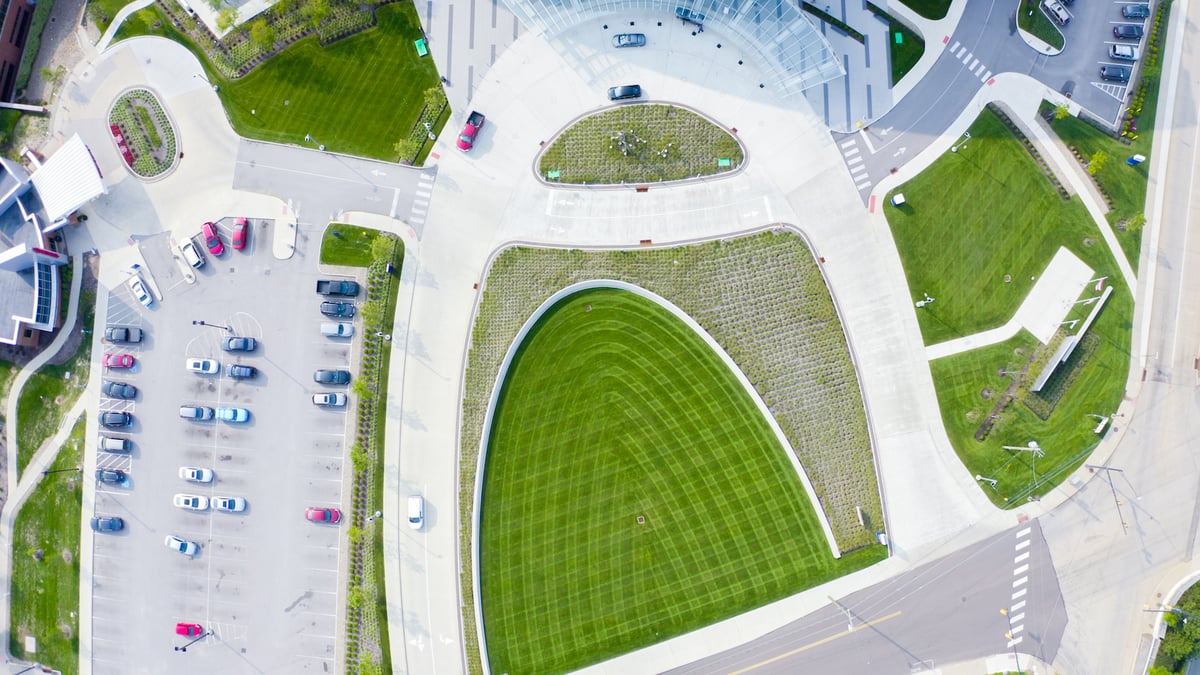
(416, 511)
(196, 474)
(190, 254)
(182, 545)
(191, 502)
(337, 329)
(206, 366)
(229, 504)
(330, 399)
(139, 290)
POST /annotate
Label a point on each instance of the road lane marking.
(818, 643)
(1024, 544)
(1025, 532)
(1021, 570)
(1014, 643)
(856, 160)
(1018, 617)
(845, 144)
(851, 152)
(1017, 606)
(1020, 582)
(1018, 594)
(1023, 556)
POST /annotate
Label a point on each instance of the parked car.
(196, 474)
(629, 40)
(196, 412)
(239, 372)
(116, 420)
(241, 232)
(330, 399)
(115, 444)
(212, 239)
(1136, 11)
(206, 366)
(466, 139)
(416, 511)
(123, 334)
(1057, 12)
(139, 290)
(118, 390)
(229, 504)
(118, 360)
(239, 344)
(625, 91)
(107, 524)
(110, 475)
(319, 515)
(1128, 31)
(189, 629)
(325, 376)
(191, 502)
(1116, 73)
(188, 548)
(235, 415)
(337, 309)
(190, 255)
(1123, 52)
(342, 287)
(337, 329)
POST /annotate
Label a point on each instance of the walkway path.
(111, 31)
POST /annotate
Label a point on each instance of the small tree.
(1136, 223)
(1097, 162)
(435, 98)
(405, 148)
(372, 314)
(315, 12)
(262, 35)
(226, 18)
(361, 389)
(382, 249)
(1062, 112)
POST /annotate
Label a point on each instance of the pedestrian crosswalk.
(971, 62)
(420, 204)
(853, 157)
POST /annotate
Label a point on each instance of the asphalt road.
(942, 612)
(320, 185)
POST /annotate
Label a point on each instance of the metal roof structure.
(68, 180)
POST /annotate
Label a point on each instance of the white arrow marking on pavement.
(885, 131)
(377, 173)
(899, 152)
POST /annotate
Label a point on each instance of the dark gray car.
(332, 376)
(1128, 31)
(239, 372)
(239, 344)
(107, 524)
(1115, 73)
(625, 91)
(110, 475)
(337, 309)
(116, 420)
(1136, 11)
(118, 389)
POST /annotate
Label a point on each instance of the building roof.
(68, 180)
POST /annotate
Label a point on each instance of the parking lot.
(1089, 36)
(267, 583)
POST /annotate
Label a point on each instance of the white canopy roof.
(68, 180)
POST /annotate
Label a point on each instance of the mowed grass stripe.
(609, 413)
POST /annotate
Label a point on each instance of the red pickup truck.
(474, 123)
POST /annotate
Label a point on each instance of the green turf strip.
(609, 414)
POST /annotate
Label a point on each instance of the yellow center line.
(818, 643)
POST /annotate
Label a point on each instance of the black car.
(110, 475)
(239, 372)
(123, 334)
(107, 524)
(1115, 73)
(239, 344)
(118, 389)
(625, 91)
(629, 40)
(331, 376)
(1128, 31)
(1136, 11)
(116, 420)
(337, 309)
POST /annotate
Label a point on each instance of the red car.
(118, 360)
(188, 629)
(212, 239)
(240, 227)
(319, 515)
(466, 140)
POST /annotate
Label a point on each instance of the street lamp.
(372, 517)
(198, 638)
(227, 329)
(1012, 642)
(1168, 609)
(310, 139)
(77, 469)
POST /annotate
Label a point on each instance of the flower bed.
(143, 133)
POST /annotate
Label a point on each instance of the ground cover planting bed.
(632, 491)
(762, 298)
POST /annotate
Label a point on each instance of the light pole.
(227, 329)
(310, 139)
(373, 516)
(1012, 642)
(77, 469)
(200, 637)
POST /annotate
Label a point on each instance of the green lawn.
(930, 9)
(102, 12)
(45, 594)
(1034, 20)
(614, 410)
(905, 53)
(357, 96)
(52, 390)
(350, 246)
(1002, 217)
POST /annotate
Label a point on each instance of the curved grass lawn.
(608, 414)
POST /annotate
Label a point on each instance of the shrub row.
(1033, 151)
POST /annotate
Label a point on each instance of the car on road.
(229, 504)
(1123, 52)
(241, 231)
(330, 399)
(416, 511)
(1128, 31)
(1136, 11)
(337, 329)
(115, 444)
(236, 415)
(239, 344)
(625, 91)
(345, 309)
(139, 290)
(123, 334)
(118, 360)
(196, 412)
(118, 390)
(190, 255)
(466, 138)
(212, 239)
(1116, 73)
(116, 419)
(107, 524)
(239, 372)
(206, 366)
(196, 474)
(188, 548)
(189, 629)
(621, 40)
(326, 376)
(191, 502)
(110, 475)
(317, 514)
